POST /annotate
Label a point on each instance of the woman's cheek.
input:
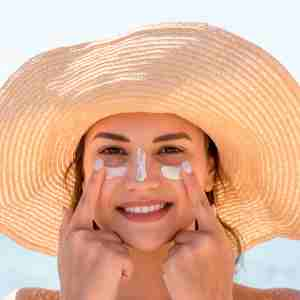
(108, 198)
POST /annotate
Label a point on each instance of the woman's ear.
(214, 208)
(210, 180)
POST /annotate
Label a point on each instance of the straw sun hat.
(236, 92)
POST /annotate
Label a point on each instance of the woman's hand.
(91, 263)
(201, 263)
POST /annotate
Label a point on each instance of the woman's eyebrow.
(162, 138)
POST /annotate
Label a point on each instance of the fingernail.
(196, 225)
(95, 226)
(98, 164)
(186, 166)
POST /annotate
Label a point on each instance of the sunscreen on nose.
(141, 165)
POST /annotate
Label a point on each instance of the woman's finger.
(84, 213)
(200, 205)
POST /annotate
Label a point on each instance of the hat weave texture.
(235, 91)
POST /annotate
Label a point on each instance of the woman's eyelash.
(118, 148)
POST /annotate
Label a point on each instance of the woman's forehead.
(141, 126)
(139, 121)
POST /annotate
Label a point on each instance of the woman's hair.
(211, 151)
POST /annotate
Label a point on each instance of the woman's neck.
(146, 280)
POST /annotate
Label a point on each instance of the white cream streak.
(141, 165)
(169, 172)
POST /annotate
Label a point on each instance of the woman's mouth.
(144, 215)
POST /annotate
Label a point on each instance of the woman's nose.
(147, 184)
(140, 177)
(139, 180)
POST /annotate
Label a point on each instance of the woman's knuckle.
(168, 266)
(78, 236)
(185, 252)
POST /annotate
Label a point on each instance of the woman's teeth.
(145, 209)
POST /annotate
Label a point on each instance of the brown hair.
(211, 151)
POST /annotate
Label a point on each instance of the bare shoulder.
(242, 292)
(37, 294)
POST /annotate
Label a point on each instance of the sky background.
(30, 27)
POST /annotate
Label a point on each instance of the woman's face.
(141, 129)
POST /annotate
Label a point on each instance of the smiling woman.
(196, 147)
(167, 146)
(158, 123)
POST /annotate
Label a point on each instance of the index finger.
(200, 204)
(85, 210)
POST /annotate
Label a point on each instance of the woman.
(142, 108)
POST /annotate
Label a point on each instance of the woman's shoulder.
(11, 295)
(240, 292)
(37, 294)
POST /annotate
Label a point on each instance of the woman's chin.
(147, 245)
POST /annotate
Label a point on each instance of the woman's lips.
(143, 202)
(146, 217)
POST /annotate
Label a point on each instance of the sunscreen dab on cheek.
(116, 172)
(173, 172)
(169, 172)
(111, 172)
(122, 171)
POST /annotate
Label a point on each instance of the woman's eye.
(168, 147)
(163, 150)
(115, 150)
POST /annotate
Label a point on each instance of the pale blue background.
(29, 27)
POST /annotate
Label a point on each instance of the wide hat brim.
(240, 95)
